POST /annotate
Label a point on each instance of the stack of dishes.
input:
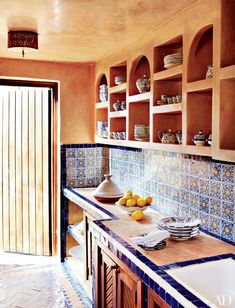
(180, 228)
(102, 129)
(119, 79)
(141, 132)
(173, 59)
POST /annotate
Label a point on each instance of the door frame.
(55, 150)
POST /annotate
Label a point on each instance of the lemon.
(128, 192)
(137, 215)
(122, 201)
(135, 196)
(141, 202)
(148, 199)
(131, 202)
(128, 196)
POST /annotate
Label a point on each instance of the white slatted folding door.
(25, 169)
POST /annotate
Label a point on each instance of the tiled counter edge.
(152, 275)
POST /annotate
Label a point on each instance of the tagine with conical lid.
(108, 190)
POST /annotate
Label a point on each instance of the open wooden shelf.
(200, 54)
(143, 97)
(199, 114)
(139, 68)
(227, 114)
(118, 114)
(174, 45)
(121, 88)
(227, 72)
(200, 85)
(169, 108)
(227, 54)
(173, 73)
(102, 105)
(78, 236)
(207, 103)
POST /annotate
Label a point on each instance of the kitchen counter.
(114, 228)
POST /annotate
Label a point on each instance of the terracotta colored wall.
(76, 93)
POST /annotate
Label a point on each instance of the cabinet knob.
(113, 267)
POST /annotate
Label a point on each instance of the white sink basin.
(213, 282)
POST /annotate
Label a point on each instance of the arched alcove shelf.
(139, 67)
(200, 54)
(102, 80)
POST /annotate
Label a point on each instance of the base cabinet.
(154, 301)
(116, 285)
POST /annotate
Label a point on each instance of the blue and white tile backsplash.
(181, 184)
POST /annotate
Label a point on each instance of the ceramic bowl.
(131, 209)
(199, 142)
(119, 79)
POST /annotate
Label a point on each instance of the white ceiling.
(83, 30)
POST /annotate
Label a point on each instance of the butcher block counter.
(114, 229)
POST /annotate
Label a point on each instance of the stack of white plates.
(173, 59)
(180, 228)
(119, 79)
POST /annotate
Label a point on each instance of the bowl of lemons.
(132, 202)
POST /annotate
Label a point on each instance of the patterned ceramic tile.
(185, 181)
(194, 213)
(215, 225)
(194, 200)
(185, 166)
(168, 192)
(204, 204)
(204, 187)
(215, 189)
(227, 230)
(228, 173)
(195, 167)
(161, 190)
(215, 171)
(215, 207)
(205, 169)
(194, 184)
(81, 153)
(71, 163)
(176, 194)
(185, 211)
(227, 211)
(228, 192)
(185, 197)
(205, 221)
(71, 153)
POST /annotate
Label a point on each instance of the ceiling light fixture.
(23, 41)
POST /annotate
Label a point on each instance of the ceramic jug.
(167, 137)
(143, 84)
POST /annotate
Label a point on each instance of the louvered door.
(108, 282)
(25, 169)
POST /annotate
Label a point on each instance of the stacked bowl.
(173, 59)
(180, 228)
(119, 79)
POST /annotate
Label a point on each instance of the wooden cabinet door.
(106, 289)
(129, 290)
(154, 301)
(88, 252)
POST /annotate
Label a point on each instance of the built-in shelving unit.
(205, 103)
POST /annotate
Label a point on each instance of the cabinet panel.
(154, 301)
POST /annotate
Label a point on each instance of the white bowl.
(131, 209)
(76, 252)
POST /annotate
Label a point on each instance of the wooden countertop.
(199, 247)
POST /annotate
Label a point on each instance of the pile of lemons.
(130, 199)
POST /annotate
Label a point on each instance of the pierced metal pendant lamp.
(23, 41)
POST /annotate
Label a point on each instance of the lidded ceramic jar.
(209, 139)
(167, 137)
(108, 190)
(179, 137)
(143, 84)
(209, 73)
(199, 139)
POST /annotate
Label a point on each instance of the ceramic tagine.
(143, 84)
(199, 139)
(167, 137)
(107, 191)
